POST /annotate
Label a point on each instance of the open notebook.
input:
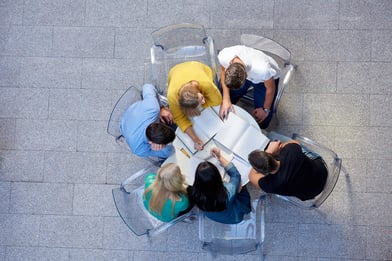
(188, 163)
(206, 125)
(234, 133)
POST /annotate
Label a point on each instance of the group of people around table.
(149, 130)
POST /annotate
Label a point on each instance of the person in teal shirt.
(165, 194)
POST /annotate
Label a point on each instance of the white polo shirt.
(259, 66)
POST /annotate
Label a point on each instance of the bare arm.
(226, 102)
(198, 144)
(259, 113)
(216, 153)
(165, 115)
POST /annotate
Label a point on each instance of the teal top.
(166, 215)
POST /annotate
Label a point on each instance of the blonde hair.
(189, 99)
(168, 182)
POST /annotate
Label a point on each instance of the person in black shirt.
(284, 169)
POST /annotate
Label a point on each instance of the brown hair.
(189, 99)
(262, 162)
(235, 76)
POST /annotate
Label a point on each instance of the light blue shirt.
(238, 204)
(136, 120)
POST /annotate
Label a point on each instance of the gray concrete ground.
(64, 63)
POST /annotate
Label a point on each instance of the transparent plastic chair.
(128, 199)
(233, 239)
(280, 54)
(179, 43)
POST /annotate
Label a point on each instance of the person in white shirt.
(243, 67)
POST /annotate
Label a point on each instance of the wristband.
(266, 110)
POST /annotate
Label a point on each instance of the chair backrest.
(179, 43)
(232, 239)
(128, 199)
(131, 95)
(333, 164)
(280, 54)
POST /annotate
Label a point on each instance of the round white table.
(188, 162)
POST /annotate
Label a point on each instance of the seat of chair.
(280, 54)
(128, 199)
(231, 239)
(176, 44)
(132, 211)
(332, 162)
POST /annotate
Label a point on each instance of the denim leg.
(310, 154)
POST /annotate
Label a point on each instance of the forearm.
(225, 89)
(269, 94)
(191, 133)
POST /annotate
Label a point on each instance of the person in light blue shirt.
(145, 126)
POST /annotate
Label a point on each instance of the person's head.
(190, 98)
(263, 162)
(208, 191)
(235, 76)
(169, 181)
(170, 178)
(160, 133)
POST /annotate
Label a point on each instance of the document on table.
(188, 163)
(240, 137)
(206, 125)
(234, 133)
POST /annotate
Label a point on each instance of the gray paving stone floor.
(64, 63)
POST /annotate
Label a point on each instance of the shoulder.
(291, 151)
(292, 147)
(149, 178)
(228, 52)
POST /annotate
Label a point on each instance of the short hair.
(189, 99)
(235, 76)
(262, 162)
(160, 133)
(208, 191)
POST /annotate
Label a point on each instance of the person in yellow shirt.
(190, 89)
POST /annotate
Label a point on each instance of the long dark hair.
(208, 191)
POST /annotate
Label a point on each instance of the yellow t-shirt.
(186, 72)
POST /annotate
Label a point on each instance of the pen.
(185, 153)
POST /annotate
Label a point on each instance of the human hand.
(198, 145)
(166, 116)
(259, 114)
(224, 109)
(275, 147)
(215, 152)
(155, 146)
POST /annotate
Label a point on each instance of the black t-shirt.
(298, 175)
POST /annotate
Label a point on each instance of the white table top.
(187, 164)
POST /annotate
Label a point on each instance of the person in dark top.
(284, 169)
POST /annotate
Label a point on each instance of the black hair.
(208, 191)
(160, 133)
